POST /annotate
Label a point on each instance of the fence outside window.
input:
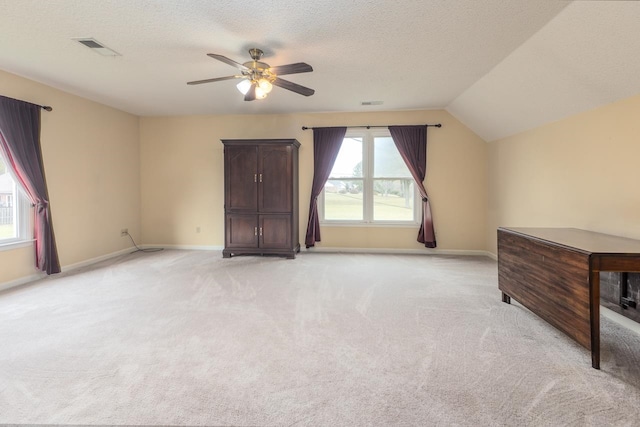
(6, 216)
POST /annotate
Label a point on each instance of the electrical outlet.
(124, 232)
(198, 229)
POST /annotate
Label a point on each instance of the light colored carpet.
(187, 338)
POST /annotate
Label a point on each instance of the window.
(14, 209)
(369, 183)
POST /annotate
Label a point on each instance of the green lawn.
(349, 207)
(6, 231)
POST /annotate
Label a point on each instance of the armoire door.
(275, 231)
(241, 231)
(241, 178)
(275, 179)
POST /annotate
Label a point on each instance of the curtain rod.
(44, 107)
(437, 125)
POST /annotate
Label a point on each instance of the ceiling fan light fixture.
(244, 86)
(265, 85)
(260, 93)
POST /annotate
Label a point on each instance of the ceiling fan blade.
(298, 67)
(251, 93)
(217, 79)
(286, 84)
(228, 61)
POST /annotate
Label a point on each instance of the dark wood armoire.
(261, 197)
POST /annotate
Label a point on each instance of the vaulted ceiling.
(499, 66)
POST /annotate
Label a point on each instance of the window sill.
(15, 244)
(370, 224)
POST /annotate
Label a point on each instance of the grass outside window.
(6, 231)
(348, 207)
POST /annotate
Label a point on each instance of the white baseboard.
(184, 247)
(426, 251)
(620, 319)
(85, 263)
(75, 266)
(64, 268)
(21, 281)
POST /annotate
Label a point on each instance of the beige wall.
(162, 177)
(579, 172)
(182, 178)
(91, 156)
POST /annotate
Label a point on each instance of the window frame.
(23, 214)
(368, 143)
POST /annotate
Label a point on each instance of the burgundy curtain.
(326, 145)
(412, 145)
(20, 143)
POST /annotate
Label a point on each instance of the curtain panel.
(20, 144)
(411, 142)
(326, 146)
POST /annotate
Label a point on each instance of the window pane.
(393, 199)
(8, 204)
(343, 199)
(387, 160)
(349, 161)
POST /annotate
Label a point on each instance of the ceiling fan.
(258, 78)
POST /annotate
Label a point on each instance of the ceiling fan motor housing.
(258, 70)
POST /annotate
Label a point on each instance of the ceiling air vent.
(97, 47)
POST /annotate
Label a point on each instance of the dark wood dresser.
(555, 273)
(261, 197)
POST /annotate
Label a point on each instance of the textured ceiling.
(500, 66)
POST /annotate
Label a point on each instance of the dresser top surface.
(582, 240)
